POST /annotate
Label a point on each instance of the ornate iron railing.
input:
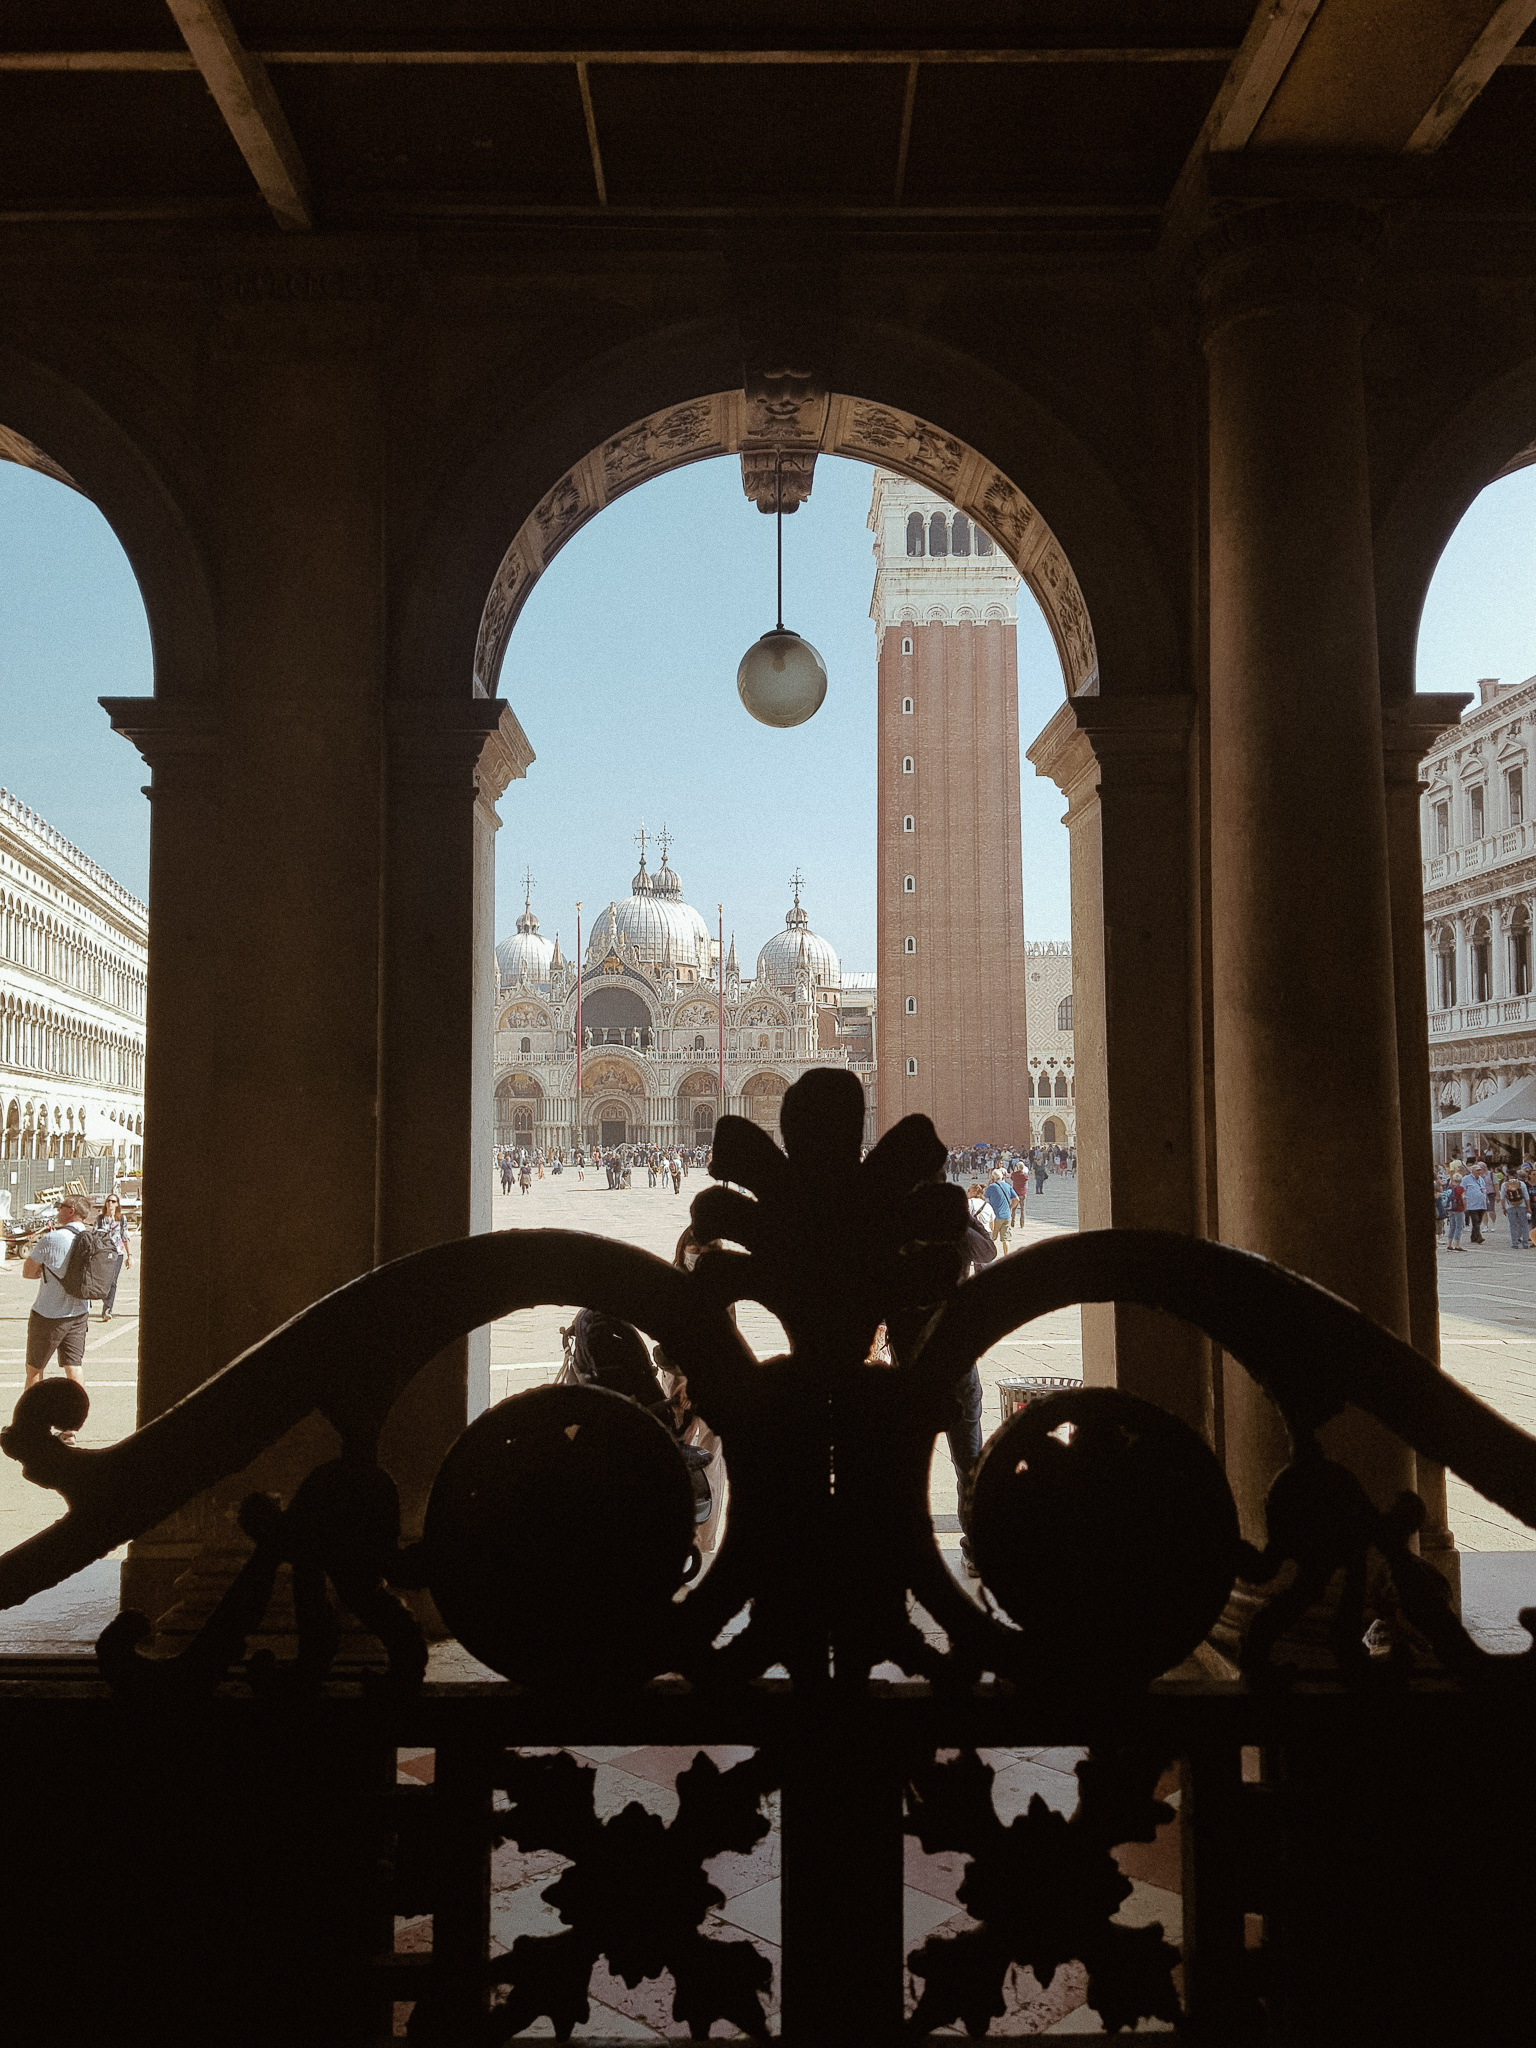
(556, 1547)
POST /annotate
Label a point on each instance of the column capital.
(472, 742)
(1412, 726)
(167, 729)
(1120, 742)
(1274, 250)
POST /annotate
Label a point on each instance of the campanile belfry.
(951, 912)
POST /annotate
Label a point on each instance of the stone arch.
(91, 422)
(723, 423)
(763, 1097)
(519, 447)
(1488, 436)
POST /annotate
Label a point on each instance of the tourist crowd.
(1470, 1193)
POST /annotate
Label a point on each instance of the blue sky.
(622, 669)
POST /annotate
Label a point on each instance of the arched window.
(1061, 1087)
(938, 535)
(1520, 953)
(909, 823)
(1445, 971)
(911, 1066)
(911, 1006)
(1482, 962)
(906, 646)
(909, 884)
(983, 542)
(906, 707)
(911, 945)
(914, 541)
(960, 543)
(525, 1045)
(906, 764)
(698, 1042)
(1064, 1014)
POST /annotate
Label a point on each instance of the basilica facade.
(648, 1038)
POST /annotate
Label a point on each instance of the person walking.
(59, 1321)
(524, 1177)
(1041, 1171)
(1517, 1207)
(1455, 1215)
(999, 1199)
(1019, 1181)
(1474, 1194)
(112, 1220)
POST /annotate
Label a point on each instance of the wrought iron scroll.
(1104, 1528)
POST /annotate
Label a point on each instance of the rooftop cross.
(664, 841)
(797, 883)
(640, 841)
(528, 881)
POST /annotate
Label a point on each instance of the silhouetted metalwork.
(558, 1547)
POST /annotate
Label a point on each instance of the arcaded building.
(1052, 1061)
(953, 1043)
(74, 951)
(1479, 915)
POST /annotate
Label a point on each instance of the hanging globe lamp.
(782, 680)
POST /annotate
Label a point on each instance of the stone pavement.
(750, 1883)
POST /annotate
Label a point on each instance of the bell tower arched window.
(938, 535)
(914, 533)
(983, 542)
(960, 536)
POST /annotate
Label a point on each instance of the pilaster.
(1410, 727)
(448, 762)
(1122, 764)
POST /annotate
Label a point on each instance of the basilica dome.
(525, 953)
(779, 961)
(656, 922)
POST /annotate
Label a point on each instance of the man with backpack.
(64, 1262)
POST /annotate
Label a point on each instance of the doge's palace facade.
(74, 948)
(1479, 846)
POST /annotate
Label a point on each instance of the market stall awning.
(1510, 1113)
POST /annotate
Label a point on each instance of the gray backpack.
(90, 1266)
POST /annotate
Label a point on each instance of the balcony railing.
(1489, 1016)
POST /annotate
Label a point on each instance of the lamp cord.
(778, 473)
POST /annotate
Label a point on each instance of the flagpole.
(720, 1111)
(576, 1122)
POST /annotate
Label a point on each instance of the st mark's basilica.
(649, 1037)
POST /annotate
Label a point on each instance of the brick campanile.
(951, 909)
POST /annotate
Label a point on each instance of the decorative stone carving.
(906, 442)
(785, 419)
(1005, 508)
(560, 511)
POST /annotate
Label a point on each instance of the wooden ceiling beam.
(1494, 47)
(243, 94)
(179, 60)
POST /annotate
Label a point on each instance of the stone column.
(449, 761)
(1464, 993)
(1304, 1016)
(265, 890)
(1410, 728)
(1122, 764)
(182, 743)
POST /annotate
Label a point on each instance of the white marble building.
(74, 949)
(1479, 903)
(1048, 1019)
(651, 1024)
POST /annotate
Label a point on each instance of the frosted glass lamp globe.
(782, 679)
